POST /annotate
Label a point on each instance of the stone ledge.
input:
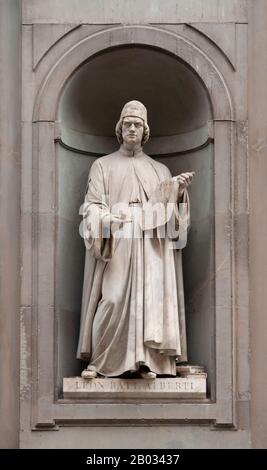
(174, 387)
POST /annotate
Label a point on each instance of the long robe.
(133, 297)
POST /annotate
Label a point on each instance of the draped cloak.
(133, 298)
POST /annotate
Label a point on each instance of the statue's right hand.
(119, 220)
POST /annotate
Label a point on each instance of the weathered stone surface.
(221, 34)
(10, 95)
(133, 11)
(258, 217)
(177, 387)
(44, 36)
(132, 437)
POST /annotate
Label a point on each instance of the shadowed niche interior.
(178, 114)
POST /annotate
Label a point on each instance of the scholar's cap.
(134, 109)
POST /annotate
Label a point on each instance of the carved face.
(132, 130)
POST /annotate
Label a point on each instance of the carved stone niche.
(190, 114)
(178, 112)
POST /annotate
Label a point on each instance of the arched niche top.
(177, 101)
(47, 101)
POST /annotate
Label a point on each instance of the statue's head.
(132, 127)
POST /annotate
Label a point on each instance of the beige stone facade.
(207, 61)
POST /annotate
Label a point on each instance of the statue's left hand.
(184, 180)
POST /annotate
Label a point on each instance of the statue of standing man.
(133, 317)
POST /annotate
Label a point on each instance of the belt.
(135, 203)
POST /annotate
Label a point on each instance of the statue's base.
(191, 387)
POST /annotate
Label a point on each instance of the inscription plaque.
(176, 387)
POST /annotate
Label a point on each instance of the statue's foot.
(89, 374)
(149, 375)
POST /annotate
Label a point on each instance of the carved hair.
(118, 131)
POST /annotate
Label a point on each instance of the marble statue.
(133, 318)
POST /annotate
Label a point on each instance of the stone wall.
(10, 109)
(210, 37)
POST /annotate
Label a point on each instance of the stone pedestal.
(163, 388)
